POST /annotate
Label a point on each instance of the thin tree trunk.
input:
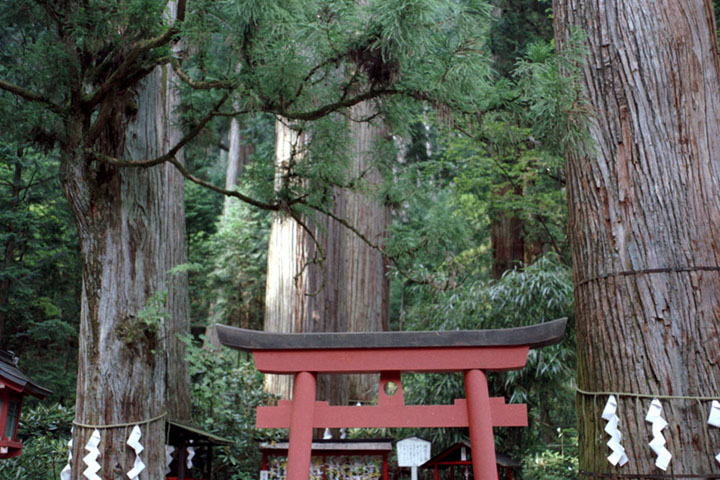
(506, 236)
(132, 233)
(644, 221)
(238, 156)
(239, 152)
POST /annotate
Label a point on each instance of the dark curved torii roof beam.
(534, 336)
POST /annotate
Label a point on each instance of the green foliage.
(541, 292)
(551, 87)
(236, 273)
(558, 462)
(230, 249)
(519, 23)
(145, 327)
(509, 165)
(226, 389)
(39, 269)
(45, 431)
(155, 312)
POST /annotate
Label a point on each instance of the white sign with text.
(413, 452)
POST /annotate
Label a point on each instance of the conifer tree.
(99, 82)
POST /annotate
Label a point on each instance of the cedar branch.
(197, 85)
(30, 96)
(318, 258)
(185, 173)
(342, 221)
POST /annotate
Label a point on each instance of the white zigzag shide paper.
(190, 455)
(618, 451)
(714, 419)
(65, 474)
(169, 449)
(654, 416)
(134, 443)
(91, 458)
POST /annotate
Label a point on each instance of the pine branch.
(274, 207)
(332, 107)
(312, 72)
(183, 75)
(369, 95)
(318, 258)
(171, 159)
(342, 221)
(30, 96)
(234, 113)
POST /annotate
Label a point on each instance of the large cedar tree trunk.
(132, 233)
(350, 291)
(365, 298)
(647, 197)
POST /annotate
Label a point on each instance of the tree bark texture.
(239, 151)
(132, 232)
(366, 296)
(647, 197)
(349, 291)
(506, 237)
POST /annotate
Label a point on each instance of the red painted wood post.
(480, 420)
(301, 426)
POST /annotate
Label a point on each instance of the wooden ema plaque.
(472, 352)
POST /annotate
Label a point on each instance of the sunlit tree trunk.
(366, 289)
(644, 221)
(132, 233)
(349, 290)
(299, 295)
(239, 151)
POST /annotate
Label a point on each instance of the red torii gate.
(472, 352)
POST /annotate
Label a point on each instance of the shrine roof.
(184, 434)
(11, 373)
(534, 336)
(453, 456)
(334, 446)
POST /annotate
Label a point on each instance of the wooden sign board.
(413, 452)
